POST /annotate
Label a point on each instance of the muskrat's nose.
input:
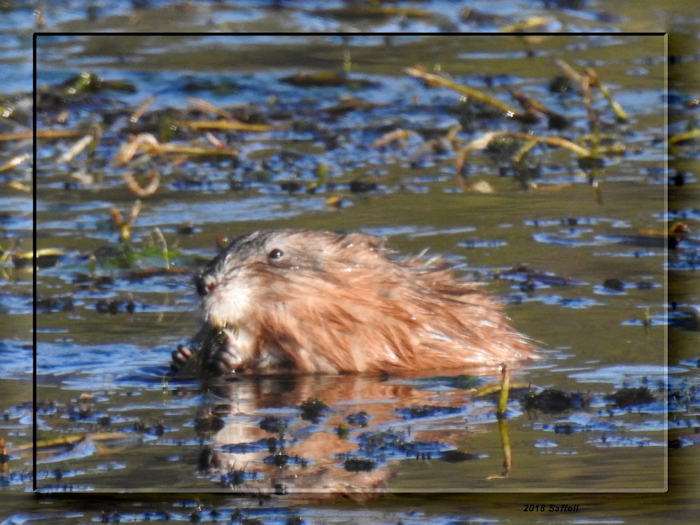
(204, 286)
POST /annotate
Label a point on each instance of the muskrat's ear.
(375, 244)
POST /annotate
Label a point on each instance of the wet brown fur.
(339, 303)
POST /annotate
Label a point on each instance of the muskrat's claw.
(180, 356)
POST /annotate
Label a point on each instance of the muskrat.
(320, 302)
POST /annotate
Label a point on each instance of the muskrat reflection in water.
(321, 302)
(304, 451)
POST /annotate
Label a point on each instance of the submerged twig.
(15, 161)
(149, 189)
(160, 236)
(229, 125)
(569, 72)
(205, 106)
(398, 135)
(483, 141)
(148, 143)
(75, 149)
(614, 104)
(686, 135)
(124, 227)
(527, 24)
(464, 90)
(505, 387)
(45, 134)
(141, 109)
(590, 77)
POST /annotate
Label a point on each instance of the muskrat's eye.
(275, 254)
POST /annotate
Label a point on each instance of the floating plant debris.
(432, 79)
(626, 397)
(273, 425)
(45, 258)
(313, 409)
(91, 83)
(358, 465)
(614, 284)
(426, 411)
(523, 272)
(358, 186)
(358, 418)
(552, 400)
(685, 317)
(676, 233)
(455, 456)
(328, 79)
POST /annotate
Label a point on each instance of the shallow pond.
(580, 266)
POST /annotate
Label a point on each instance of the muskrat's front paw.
(180, 356)
(224, 359)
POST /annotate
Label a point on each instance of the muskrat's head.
(266, 270)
